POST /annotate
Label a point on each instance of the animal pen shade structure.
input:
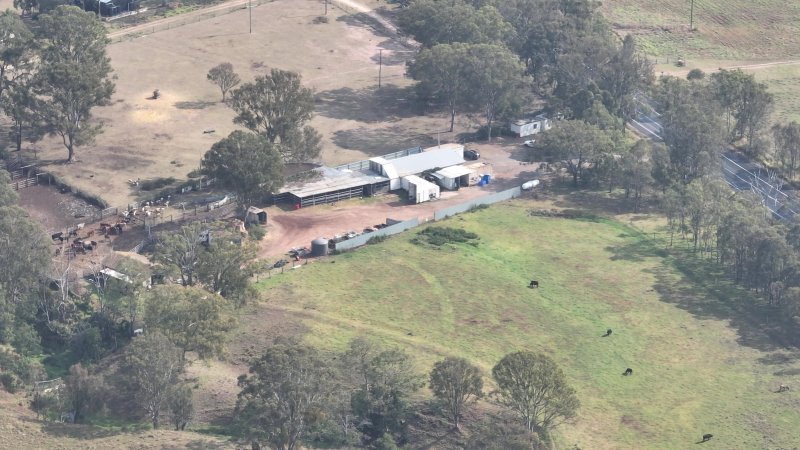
(256, 215)
(334, 186)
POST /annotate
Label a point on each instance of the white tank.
(528, 185)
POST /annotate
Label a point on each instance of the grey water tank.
(319, 247)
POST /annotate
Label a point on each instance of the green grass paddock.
(701, 363)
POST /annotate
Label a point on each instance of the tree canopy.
(534, 387)
(692, 129)
(433, 22)
(24, 253)
(278, 107)
(497, 81)
(149, 372)
(444, 72)
(193, 319)
(182, 251)
(456, 383)
(224, 77)
(246, 163)
(386, 381)
(74, 75)
(284, 393)
(572, 140)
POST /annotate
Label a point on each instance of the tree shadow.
(73, 430)
(194, 105)
(370, 105)
(364, 20)
(705, 291)
(376, 142)
(394, 53)
(636, 250)
(702, 287)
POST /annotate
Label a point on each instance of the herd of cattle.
(84, 244)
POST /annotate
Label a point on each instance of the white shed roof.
(390, 171)
(454, 171)
(420, 182)
(445, 155)
(118, 275)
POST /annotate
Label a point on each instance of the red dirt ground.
(298, 228)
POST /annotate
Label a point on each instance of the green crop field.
(701, 364)
(735, 30)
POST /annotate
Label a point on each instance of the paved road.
(738, 171)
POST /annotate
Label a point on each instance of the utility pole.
(691, 17)
(380, 66)
(326, 7)
(250, 14)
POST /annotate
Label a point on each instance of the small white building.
(454, 177)
(527, 127)
(419, 190)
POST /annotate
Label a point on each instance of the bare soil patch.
(53, 209)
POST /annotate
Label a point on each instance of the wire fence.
(441, 214)
(199, 15)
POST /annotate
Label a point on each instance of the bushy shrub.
(377, 239)
(695, 74)
(26, 340)
(20, 370)
(10, 382)
(156, 183)
(88, 345)
(256, 231)
(439, 236)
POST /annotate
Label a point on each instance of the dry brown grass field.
(164, 138)
(733, 30)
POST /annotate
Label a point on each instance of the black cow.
(534, 284)
(707, 437)
(608, 332)
(628, 371)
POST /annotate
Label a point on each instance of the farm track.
(764, 65)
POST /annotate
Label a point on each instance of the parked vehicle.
(529, 142)
(471, 155)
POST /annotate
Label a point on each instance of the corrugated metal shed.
(333, 180)
(454, 171)
(445, 155)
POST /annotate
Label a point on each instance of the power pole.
(326, 7)
(250, 14)
(380, 66)
(691, 17)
